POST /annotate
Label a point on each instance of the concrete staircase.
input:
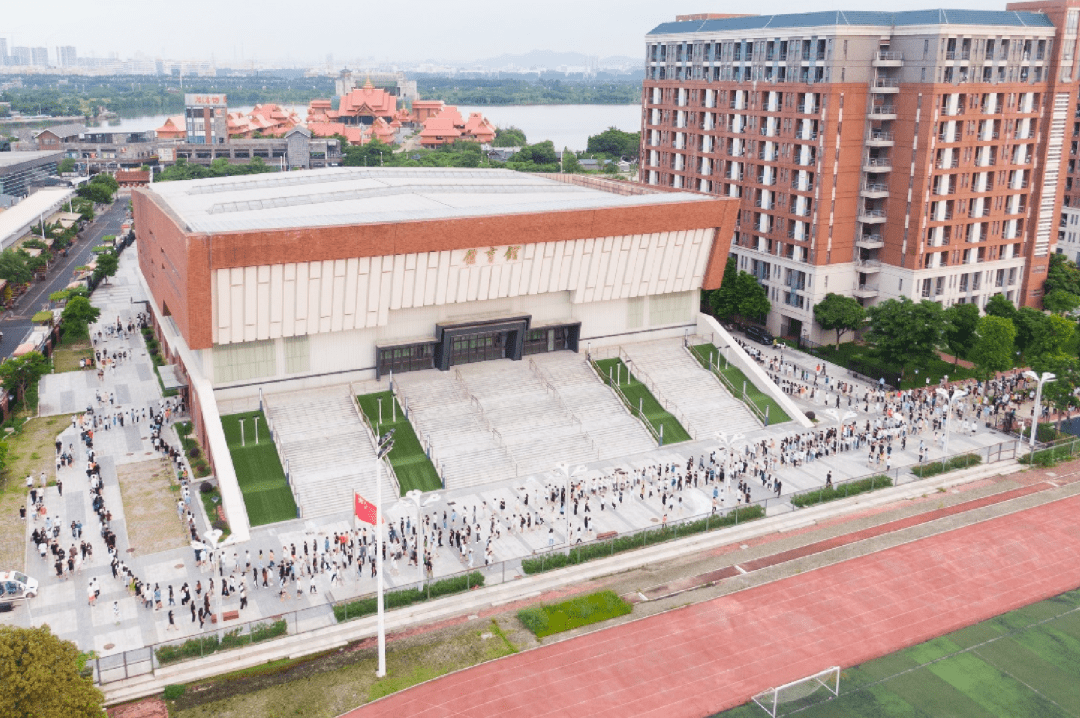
(689, 388)
(327, 447)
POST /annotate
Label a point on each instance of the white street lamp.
(840, 419)
(1046, 377)
(568, 474)
(416, 498)
(386, 443)
(728, 443)
(948, 411)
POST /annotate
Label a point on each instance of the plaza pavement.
(63, 603)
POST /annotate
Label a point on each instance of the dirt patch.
(150, 506)
(146, 708)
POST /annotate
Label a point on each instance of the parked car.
(759, 335)
(17, 585)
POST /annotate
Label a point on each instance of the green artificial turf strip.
(413, 468)
(259, 473)
(548, 619)
(639, 396)
(735, 375)
(1029, 667)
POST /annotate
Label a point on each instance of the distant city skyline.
(425, 33)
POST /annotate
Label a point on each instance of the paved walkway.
(715, 655)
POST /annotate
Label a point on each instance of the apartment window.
(297, 355)
(240, 362)
(925, 50)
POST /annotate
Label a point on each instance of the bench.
(606, 535)
(230, 615)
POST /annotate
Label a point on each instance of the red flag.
(364, 510)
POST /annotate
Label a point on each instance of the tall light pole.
(386, 443)
(416, 498)
(960, 394)
(1040, 380)
(568, 474)
(728, 443)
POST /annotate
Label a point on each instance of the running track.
(710, 656)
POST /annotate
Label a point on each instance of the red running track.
(711, 656)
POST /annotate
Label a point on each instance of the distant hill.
(552, 59)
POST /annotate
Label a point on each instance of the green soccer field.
(267, 495)
(413, 468)
(1025, 663)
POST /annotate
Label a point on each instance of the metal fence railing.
(147, 660)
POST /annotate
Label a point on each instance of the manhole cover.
(179, 565)
(109, 646)
(654, 520)
(131, 550)
(148, 453)
(131, 453)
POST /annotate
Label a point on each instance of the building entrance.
(482, 346)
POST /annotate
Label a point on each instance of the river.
(565, 125)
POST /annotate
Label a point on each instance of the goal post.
(774, 700)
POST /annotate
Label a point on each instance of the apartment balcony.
(874, 190)
(960, 55)
(948, 164)
(872, 216)
(880, 138)
(877, 164)
(870, 241)
(808, 186)
(868, 266)
(865, 291)
(806, 136)
(888, 59)
(883, 112)
(884, 85)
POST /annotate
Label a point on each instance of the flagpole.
(379, 564)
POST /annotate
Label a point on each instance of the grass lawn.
(735, 375)
(67, 356)
(333, 683)
(639, 396)
(1021, 663)
(258, 470)
(850, 352)
(413, 468)
(548, 619)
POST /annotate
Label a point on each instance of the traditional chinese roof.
(172, 129)
(366, 101)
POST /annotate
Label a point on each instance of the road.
(16, 324)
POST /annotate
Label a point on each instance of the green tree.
(840, 314)
(1032, 329)
(107, 180)
(107, 264)
(724, 301)
(1054, 337)
(993, 349)
(19, 373)
(77, 317)
(570, 164)
(95, 191)
(14, 267)
(1060, 393)
(1000, 306)
(753, 300)
(39, 677)
(535, 158)
(1062, 275)
(1061, 301)
(66, 165)
(615, 143)
(509, 137)
(906, 334)
(960, 333)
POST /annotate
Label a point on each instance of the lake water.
(565, 125)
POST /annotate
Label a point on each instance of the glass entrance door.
(482, 346)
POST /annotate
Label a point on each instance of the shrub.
(205, 487)
(266, 631)
(219, 525)
(173, 691)
(193, 648)
(962, 461)
(811, 415)
(842, 491)
(1050, 457)
(407, 597)
(193, 452)
(628, 542)
(545, 620)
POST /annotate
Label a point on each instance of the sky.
(385, 32)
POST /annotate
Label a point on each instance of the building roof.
(362, 195)
(873, 18)
(63, 131)
(15, 222)
(8, 159)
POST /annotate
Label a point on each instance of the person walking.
(172, 622)
(116, 612)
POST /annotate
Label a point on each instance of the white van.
(17, 585)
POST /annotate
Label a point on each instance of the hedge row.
(833, 493)
(962, 461)
(204, 646)
(628, 542)
(1052, 456)
(408, 596)
(548, 619)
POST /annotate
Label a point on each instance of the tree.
(839, 313)
(570, 164)
(39, 677)
(753, 300)
(95, 191)
(993, 349)
(14, 267)
(509, 137)
(1060, 393)
(107, 264)
(1054, 337)
(19, 373)
(906, 334)
(1032, 328)
(1000, 306)
(1061, 301)
(66, 166)
(723, 301)
(536, 158)
(960, 333)
(1062, 275)
(107, 180)
(615, 143)
(77, 317)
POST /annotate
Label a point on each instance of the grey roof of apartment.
(1006, 18)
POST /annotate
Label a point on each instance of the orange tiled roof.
(479, 127)
(365, 101)
(172, 129)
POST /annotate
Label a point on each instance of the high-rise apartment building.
(39, 56)
(66, 57)
(207, 118)
(879, 155)
(3, 51)
(20, 56)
